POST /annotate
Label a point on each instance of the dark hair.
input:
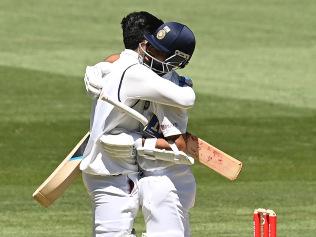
(135, 25)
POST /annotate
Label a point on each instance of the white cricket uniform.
(167, 190)
(112, 182)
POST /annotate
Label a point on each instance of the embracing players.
(110, 172)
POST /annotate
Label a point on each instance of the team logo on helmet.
(162, 33)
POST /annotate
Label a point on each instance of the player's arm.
(112, 58)
(168, 125)
(171, 149)
(152, 87)
(179, 140)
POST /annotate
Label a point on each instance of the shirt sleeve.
(142, 83)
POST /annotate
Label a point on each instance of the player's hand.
(121, 145)
(94, 78)
(165, 155)
(92, 81)
(179, 80)
(183, 158)
(185, 81)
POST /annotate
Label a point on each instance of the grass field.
(254, 75)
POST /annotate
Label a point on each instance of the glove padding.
(120, 146)
(93, 78)
(166, 155)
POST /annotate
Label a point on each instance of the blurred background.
(254, 76)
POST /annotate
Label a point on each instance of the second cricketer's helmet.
(174, 39)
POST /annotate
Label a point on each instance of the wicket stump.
(264, 223)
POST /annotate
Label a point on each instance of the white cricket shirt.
(138, 84)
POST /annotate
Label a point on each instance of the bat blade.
(213, 158)
(63, 176)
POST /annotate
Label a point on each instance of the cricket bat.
(62, 177)
(200, 150)
(213, 157)
(68, 170)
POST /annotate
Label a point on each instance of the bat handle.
(126, 109)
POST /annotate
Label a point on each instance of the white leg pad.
(114, 205)
(166, 197)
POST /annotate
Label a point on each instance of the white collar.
(130, 52)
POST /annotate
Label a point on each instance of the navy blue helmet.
(174, 39)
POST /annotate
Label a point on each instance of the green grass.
(254, 75)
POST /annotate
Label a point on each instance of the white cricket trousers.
(114, 203)
(166, 196)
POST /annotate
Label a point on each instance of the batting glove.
(94, 78)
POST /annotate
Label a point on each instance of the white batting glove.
(94, 78)
(151, 153)
(165, 155)
(121, 145)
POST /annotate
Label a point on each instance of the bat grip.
(126, 109)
